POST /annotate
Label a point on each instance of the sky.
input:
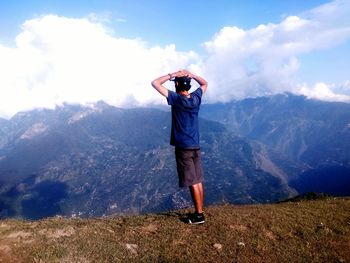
(56, 52)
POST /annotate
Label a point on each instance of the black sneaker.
(196, 219)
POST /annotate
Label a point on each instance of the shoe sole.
(196, 223)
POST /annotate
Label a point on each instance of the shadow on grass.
(181, 216)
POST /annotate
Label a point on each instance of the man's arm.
(202, 82)
(158, 82)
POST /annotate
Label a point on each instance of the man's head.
(182, 83)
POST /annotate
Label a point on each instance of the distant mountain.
(313, 132)
(290, 124)
(3, 122)
(333, 179)
(3, 132)
(93, 161)
(100, 160)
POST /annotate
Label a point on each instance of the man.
(185, 134)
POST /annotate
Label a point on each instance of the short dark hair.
(182, 83)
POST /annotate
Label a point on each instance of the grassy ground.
(306, 231)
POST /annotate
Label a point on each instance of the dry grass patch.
(312, 231)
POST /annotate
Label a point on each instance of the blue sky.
(250, 48)
(185, 23)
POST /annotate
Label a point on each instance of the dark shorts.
(189, 166)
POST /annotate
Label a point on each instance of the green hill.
(304, 231)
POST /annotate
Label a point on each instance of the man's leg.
(197, 197)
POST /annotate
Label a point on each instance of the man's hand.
(158, 83)
(179, 74)
(203, 84)
(186, 73)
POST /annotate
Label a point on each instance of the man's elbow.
(154, 84)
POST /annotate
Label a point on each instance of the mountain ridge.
(100, 160)
(271, 120)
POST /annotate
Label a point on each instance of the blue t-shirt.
(184, 124)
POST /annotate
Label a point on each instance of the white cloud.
(346, 87)
(80, 60)
(59, 59)
(322, 91)
(264, 60)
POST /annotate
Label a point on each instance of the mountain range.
(85, 161)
